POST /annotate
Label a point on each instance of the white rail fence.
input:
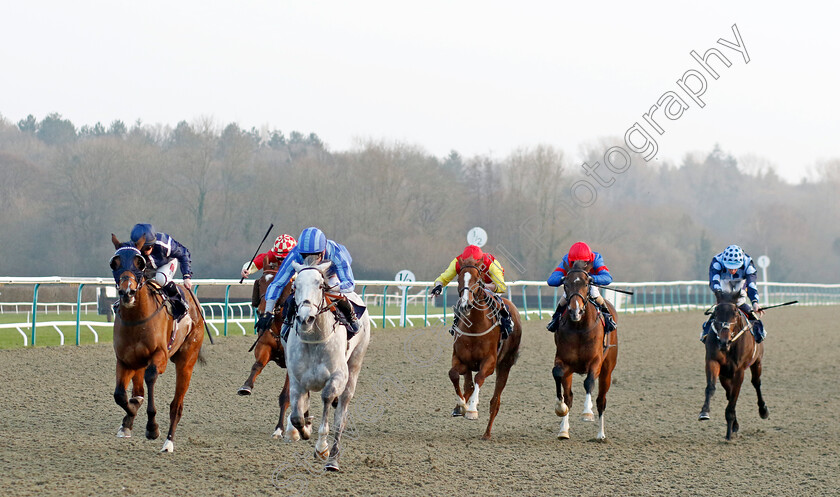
(388, 305)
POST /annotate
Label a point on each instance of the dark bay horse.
(730, 350)
(478, 346)
(142, 333)
(270, 348)
(582, 348)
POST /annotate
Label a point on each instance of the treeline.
(63, 190)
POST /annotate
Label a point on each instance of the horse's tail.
(203, 319)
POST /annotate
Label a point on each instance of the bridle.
(139, 277)
(728, 324)
(578, 294)
(484, 298)
(327, 303)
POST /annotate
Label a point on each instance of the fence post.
(425, 306)
(384, 304)
(227, 309)
(525, 303)
(78, 312)
(539, 301)
(34, 311)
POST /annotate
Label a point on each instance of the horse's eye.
(115, 263)
(139, 262)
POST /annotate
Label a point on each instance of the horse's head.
(469, 283)
(127, 265)
(576, 284)
(725, 319)
(310, 285)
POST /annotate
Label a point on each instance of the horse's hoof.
(563, 435)
(123, 432)
(278, 434)
(561, 409)
(486, 436)
(763, 412)
(152, 435)
(244, 391)
(458, 411)
(306, 433)
(704, 416)
(588, 416)
(471, 415)
(322, 455)
(168, 446)
(332, 466)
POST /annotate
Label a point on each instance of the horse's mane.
(311, 260)
(582, 265)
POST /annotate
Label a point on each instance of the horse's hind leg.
(588, 386)
(184, 365)
(732, 392)
(262, 354)
(121, 398)
(755, 369)
(712, 372)
(340, 419)
(563, 382)
(604, 381)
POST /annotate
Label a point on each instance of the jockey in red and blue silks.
(269, 262)
(599, 275)
(312, 241)
(732, 271)
(164, 255)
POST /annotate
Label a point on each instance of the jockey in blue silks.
(732, 271)
(312, 241)
(164, 255)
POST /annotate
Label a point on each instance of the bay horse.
(730, 349)
(142, 333)
(478, 346)
(269, 347)
(582, 347)
(320, 358)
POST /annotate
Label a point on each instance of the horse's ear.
(140, 242)
(297, 266)
(324, 266)
(115, 241)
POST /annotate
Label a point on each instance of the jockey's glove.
(718, 294)
(265, 321)
(437, 290)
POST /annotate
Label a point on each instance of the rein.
(485, 298)
(144, 320)
(724, 326)
(327, 304)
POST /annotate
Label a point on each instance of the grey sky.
(478, 77)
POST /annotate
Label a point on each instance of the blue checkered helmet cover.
(733, 257)
(311, 241)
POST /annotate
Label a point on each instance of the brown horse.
(582, 348)
(730, 349)
(478, 346)
(144, 341)
(270, 348)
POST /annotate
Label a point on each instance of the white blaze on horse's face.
(309, 293)
(465, 293)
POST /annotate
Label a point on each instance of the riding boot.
(609, 322)
(289, 313)
(350, 321)
(179, 306)
(706, 327)
(758, 330)
(506, 324)
(256, 298)
(554, 324)
(455, 320)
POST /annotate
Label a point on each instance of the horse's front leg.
(262, 354)
(488, 366)
(563, 382)
(588, 385)
(340, 420)
(712, 372)
(334, 387)
(755, 370)
(455, 373)
(157, 365)
(732, 394)
(297, 418)
(124, 375)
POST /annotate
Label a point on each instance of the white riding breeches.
(166, 272)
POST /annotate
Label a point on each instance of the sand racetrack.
(58, 423)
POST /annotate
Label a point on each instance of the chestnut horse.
(269, 347)
(730, 349)
(478, 346)
(582, 348)
(142, 332)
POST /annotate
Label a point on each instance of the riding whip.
(258, 249)
(779, 305)
(626, 292)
